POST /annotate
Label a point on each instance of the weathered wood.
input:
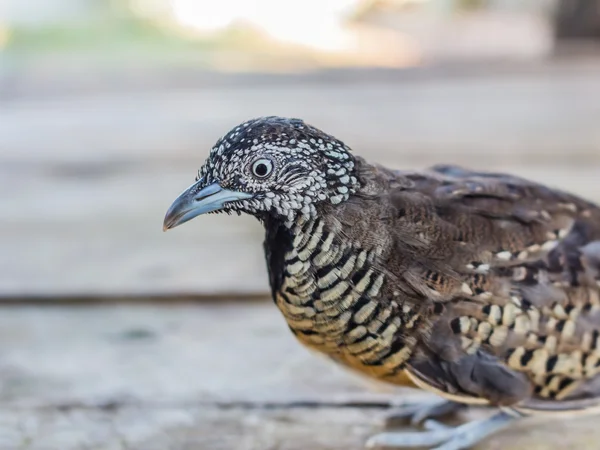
(210, 428)
(207, 377)
(85, 181)
(229, 352)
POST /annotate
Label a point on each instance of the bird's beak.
(197, 200)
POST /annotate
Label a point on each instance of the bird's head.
(270, 166)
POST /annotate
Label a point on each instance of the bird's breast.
(332, 299)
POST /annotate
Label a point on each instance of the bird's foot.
(442, 437)
(416, 414)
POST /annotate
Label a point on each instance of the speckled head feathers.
(287, 165)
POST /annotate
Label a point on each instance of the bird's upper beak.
(197, 200)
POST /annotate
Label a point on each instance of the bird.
(480, 287)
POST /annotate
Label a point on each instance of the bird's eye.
(262, 168)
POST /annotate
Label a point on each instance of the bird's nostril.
(204, 197)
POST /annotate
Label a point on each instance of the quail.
(483, 288)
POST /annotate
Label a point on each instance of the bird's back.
(525, 330)
(482, 287)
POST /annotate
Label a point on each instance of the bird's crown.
(286, 165)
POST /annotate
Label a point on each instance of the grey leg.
(417, 413)
(441, 437)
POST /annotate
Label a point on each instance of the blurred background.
(116, 335)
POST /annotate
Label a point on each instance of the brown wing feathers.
(515, 266)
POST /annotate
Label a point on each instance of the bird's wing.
(509, 276)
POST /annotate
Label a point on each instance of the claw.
(442, 437)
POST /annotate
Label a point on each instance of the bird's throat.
(330, 295)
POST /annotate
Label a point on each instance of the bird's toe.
(417, 413)
(438, 436)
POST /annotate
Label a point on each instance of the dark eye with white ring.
(262, 168)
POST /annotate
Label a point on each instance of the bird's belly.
(387, 373)
(370, 348)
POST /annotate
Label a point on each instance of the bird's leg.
(417, 413)
(442, 437)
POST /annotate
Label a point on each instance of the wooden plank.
(210, 376)
(221, 352)
(210, 428)
(85, 181)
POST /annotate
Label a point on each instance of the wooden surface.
(84, 184)
(85, 181)
(223, 376)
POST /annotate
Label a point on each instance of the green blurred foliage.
(100, 35)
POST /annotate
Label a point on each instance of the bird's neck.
(281, 241)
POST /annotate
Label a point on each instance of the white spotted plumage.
(308, 167)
